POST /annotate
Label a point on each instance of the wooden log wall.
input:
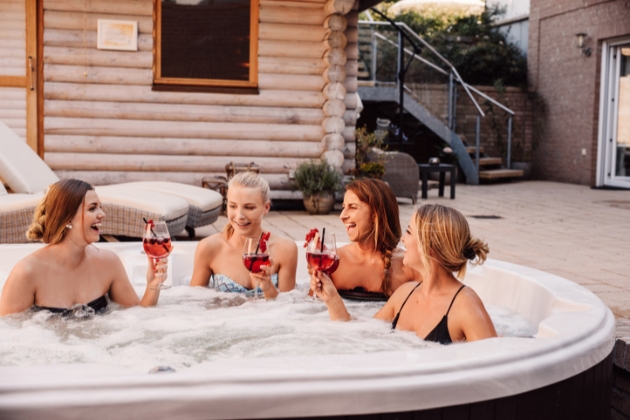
(103, 122)
(335, 76)
(13, 64)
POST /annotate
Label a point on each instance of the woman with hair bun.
(370, 267)
(441, 309)
(68, 276)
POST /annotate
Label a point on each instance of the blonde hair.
(443, 234)
(56, 210)
(248, 179)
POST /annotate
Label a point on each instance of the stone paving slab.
(573, 231)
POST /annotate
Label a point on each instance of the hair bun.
(469, 253)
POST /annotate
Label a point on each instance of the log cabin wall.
(12, 59)
(103, 122)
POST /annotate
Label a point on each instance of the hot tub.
(564, 371)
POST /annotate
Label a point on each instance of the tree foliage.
(479, 51)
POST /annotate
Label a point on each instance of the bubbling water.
(195, 325)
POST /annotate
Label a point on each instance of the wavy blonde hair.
(248, 179)
(56, 210)
(386, 230)
(443, 234)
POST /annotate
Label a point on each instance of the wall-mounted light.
(580, 44)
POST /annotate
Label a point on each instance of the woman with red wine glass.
(68, 276)
(226, 261)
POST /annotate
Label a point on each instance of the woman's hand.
(323, 287)
(156, 271)
(263, 279)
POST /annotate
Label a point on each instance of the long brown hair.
(443, 234)
(56, 210)
(386, 230)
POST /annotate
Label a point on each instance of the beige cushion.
(20, 167)
(169, 206)
(3, 191)
(203, 198)
(14, 202)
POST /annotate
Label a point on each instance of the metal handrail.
(453, 71)
(440, 56)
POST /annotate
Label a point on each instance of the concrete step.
(489, 161)
(500, 173)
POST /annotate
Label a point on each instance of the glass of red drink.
(156, 241)
(323, 256)
(254, 257)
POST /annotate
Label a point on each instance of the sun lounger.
(25, 172)
(205, 205)
(28, 176)
(146, 198)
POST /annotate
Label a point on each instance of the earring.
(69, 226)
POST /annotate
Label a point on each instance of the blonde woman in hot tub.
(219, 257)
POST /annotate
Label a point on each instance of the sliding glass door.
(614, 138)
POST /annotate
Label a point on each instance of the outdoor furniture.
(204, 205)
(442, 168)
(28, 176)
(401, 173)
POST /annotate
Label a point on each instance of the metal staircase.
(382, 42)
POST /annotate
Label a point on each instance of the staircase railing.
(413, 39)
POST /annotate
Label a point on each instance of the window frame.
(160, 81)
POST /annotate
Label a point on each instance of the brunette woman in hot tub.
(440, 309)
(371, 266)
(68, 276)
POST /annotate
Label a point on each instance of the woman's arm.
(201, 269)
(18, 293)
(324, 289)
(287, 257)
(474, 321)
(122, 292)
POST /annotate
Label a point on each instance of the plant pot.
(320, 203)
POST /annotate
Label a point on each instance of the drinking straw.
(321, 246)
(258, 245)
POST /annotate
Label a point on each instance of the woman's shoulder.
(404, 290)
(284, 242)
(212, 243)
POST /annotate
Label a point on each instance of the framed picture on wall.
(117, 35)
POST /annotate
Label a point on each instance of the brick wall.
(493, 131)
(569, 81)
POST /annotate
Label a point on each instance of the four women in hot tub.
(440, 308)
(68, 271)
(424, 295)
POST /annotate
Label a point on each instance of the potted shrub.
(369, 157)
(318, 182)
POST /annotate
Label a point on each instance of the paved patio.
(570, 230)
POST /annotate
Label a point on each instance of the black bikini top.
(440, 333)
(360, 294)
(98, 306)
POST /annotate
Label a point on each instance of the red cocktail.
(253, 262)
(157, 247)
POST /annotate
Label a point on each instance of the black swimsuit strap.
(449, 306)
(395, 321)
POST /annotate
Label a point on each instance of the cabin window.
(206, 43)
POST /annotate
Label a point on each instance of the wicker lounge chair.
(402, 175)
(28, 176)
